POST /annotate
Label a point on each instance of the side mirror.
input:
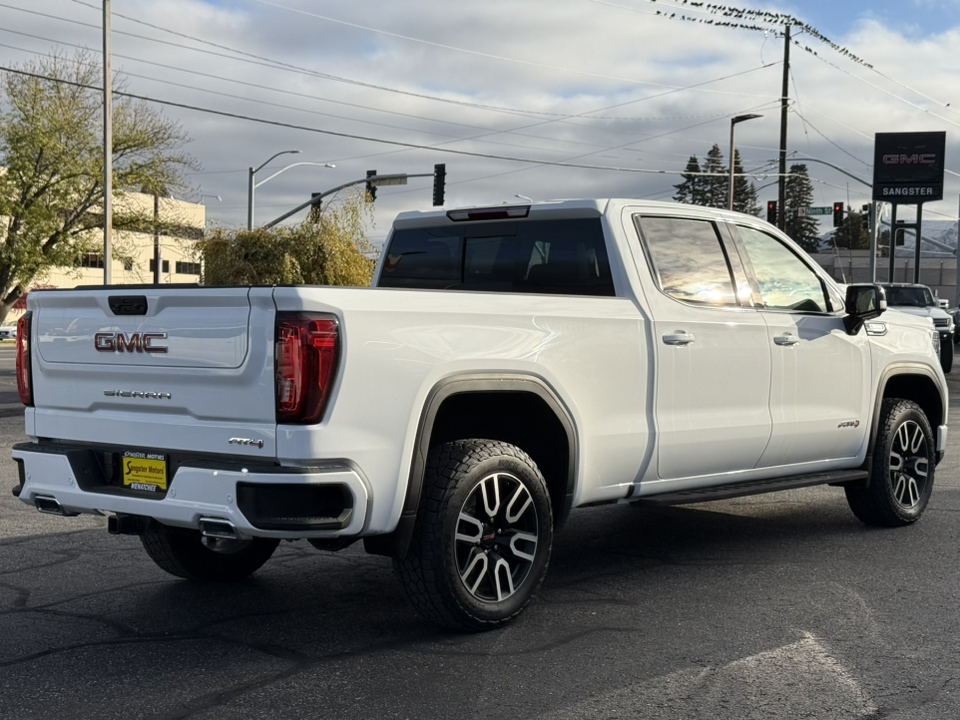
(863, 302)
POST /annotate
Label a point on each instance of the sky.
(543, 99)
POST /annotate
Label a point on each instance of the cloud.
(575, 81)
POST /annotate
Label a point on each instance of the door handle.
(787, 340)
(678, 338)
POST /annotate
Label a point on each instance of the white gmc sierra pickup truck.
(512, 363)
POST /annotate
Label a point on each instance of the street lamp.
(251, 186)
(219, 199)
(733, 124)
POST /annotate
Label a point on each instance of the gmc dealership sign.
(908, 167)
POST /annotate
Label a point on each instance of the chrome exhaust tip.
(217, 528)
(50, 505)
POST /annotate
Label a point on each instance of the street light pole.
(251, 187)
(733, 125)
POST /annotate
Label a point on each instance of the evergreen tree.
(690, 190)
(853, 232)
(716, 185)
(799, 194)
(744, 191)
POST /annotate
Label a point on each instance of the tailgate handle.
(128, 304)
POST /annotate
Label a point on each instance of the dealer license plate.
(144, 471)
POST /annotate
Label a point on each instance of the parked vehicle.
(511, 364)
(918, 300)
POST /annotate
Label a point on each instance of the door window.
(785, 281)
(688, 260)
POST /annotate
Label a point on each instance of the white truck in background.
(511, 363)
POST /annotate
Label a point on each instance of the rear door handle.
(678, 338)
(787, 340)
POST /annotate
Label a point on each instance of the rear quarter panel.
(399, 344)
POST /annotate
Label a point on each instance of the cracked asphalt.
(775, 606)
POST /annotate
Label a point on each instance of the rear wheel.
(482, 541)
(187, 554)
(903, 468)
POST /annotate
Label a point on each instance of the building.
(183, 224)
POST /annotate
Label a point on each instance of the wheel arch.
(914, 382)
(518, 409)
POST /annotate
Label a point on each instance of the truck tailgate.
(174, 368)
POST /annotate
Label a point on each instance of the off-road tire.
(455, 544)
(904, 463)
(187, 554)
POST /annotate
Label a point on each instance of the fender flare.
(397, 542)
(890, 372)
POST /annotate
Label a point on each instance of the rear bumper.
(329, 501)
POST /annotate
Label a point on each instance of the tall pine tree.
(691, 189)
(799, 194)
(744, 191)
(715, 186)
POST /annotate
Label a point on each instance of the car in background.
(916, 299)
(8, 332)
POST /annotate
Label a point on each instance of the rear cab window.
(562, 257)
(690, 262)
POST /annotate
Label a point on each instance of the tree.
(853, 232)
(330, 250)
(691, 189)
(744, 191)
(716, 190)
(799, 194)
(51, 152)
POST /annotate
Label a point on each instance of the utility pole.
(156, 240)
(784, 101)
(107, 148)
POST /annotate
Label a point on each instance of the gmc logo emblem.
(915, 159)
(138, 342)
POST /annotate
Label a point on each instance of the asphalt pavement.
(774, 606)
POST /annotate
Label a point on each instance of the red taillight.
(24, 376)
(307, 351)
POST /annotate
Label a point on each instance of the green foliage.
(799, 194)
(691, 189)
(333, 250)
(714, 190)
(744, 191)
(51, 188)
(853, 232)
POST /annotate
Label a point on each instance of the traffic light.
(837, 214)
(314, 215)
(899, 237)
(772, 212)
(439, 178)
(371, 188)
(865, 214)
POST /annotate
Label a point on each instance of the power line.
(351, 136)
(477, 53)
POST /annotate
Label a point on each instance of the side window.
(688, 260)
(786, 282)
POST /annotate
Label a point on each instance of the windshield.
(910, 296)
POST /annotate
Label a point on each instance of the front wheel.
(187, 554)
(901, 479)
(482, 540)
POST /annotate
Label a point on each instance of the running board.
(753, 487)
